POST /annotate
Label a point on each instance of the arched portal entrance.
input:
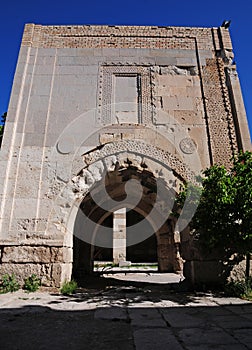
(145, 231)
(142, 252)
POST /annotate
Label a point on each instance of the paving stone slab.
(216, 311)
(240, 309)
(181, 318)
(232, 321)
(142, 317)
(161, 339)
(102, 321)
(230, 301)
(111, 313)
(200, 336)
(243, 335)
(248, 316)
(218, 347)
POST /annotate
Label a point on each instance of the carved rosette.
(187, 145)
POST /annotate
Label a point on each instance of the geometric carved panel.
(106, 95)
(221, 126)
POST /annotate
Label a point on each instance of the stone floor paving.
(124, 316)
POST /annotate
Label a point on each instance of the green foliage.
(190, 193)
(241, 289)
(8, 284)
(223, 218)
(242, 185)
(212, 217)
(104, 266)
(69, 287)
(2, 123)
(1, 133)
(32, 283)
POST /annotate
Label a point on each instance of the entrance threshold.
(147, 277)
(108, 266)
(136, 272)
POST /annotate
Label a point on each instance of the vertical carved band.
(220, 121)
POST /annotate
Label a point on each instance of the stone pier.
(119, 235)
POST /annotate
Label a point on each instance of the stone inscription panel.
(126, 99)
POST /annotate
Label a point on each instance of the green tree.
(2, 123)
(223, 218)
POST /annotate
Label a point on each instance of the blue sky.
(14, 14)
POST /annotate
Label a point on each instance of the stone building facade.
(105, 121)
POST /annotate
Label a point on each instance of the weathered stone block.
(178, 103)
(22, 271)
(27, 254)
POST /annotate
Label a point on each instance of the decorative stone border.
(104, 115)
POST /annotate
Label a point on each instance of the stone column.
(119, 235)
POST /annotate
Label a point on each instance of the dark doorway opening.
(142, 252)
(101, 253)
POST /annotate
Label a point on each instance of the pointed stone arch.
(167, 168)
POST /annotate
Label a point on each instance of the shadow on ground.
(126, 328)
(99, 288)
(110, 314)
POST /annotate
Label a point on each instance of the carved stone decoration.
(142, 148)
(105, 96)
(187, 145)
(116, 36)
(221, 127)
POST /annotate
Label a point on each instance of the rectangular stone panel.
(125, 99)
